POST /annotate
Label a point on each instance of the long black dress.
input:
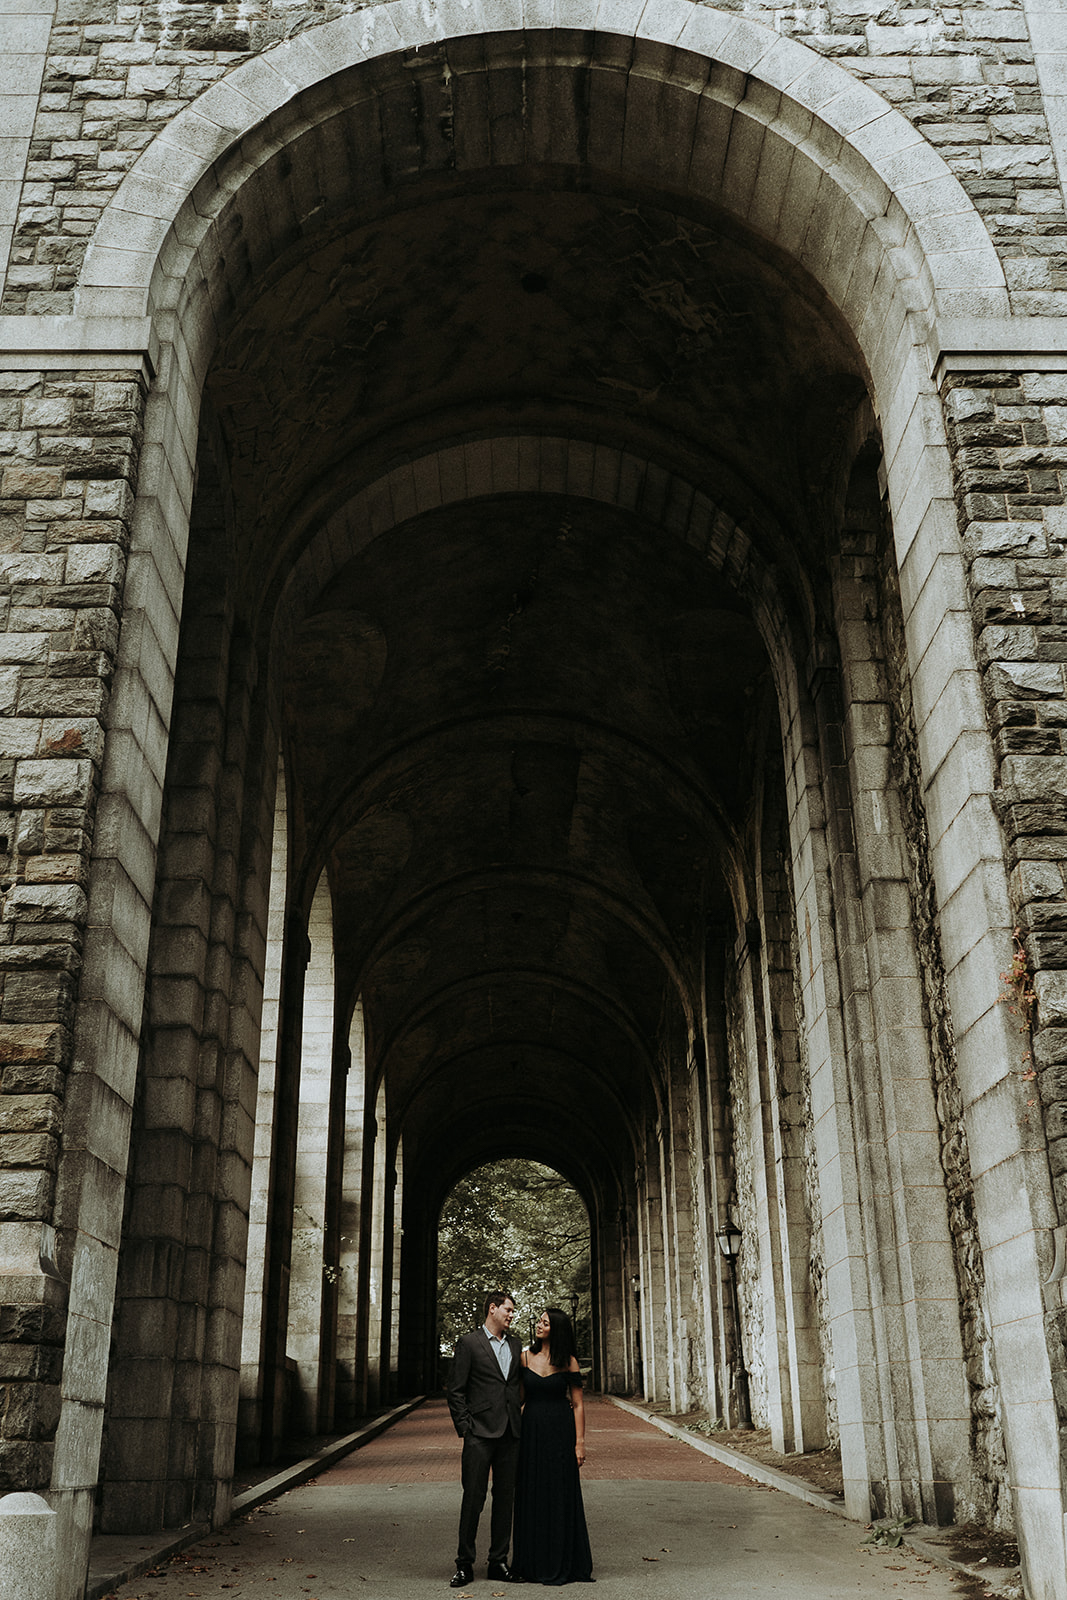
(550, 1543)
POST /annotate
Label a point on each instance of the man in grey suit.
(485, 1399)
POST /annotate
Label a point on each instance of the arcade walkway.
(666, 1523)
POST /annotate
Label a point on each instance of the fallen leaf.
(650, 1558)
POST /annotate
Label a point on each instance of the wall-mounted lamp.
(729, 1238)
(730, 1242)
(639, 1365)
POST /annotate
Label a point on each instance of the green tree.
(512, 1225)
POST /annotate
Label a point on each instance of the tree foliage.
(513, 1225)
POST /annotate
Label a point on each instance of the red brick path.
(423, 1448)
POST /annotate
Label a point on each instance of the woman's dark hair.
(561, 1345)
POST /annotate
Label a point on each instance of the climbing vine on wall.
(1020, 997)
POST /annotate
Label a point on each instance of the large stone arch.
(868, 153)
(898, 250)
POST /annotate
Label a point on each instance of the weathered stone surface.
(44, 903)
(32, 1043)
(27, 1547)
(1021, 679)
(1051, 990)
(29, 1112)
(25, 1194)
(53, 782)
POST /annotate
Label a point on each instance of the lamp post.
(729, 1238)
(574, 1322)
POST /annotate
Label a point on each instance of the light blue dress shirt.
(502, 1349)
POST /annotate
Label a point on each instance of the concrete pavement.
(666, 1522)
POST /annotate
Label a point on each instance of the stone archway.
(881, 244)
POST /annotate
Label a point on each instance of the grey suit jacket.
(482, 1403)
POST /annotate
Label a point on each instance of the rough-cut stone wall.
(116, 75)
(1009, 437)
(69, 450)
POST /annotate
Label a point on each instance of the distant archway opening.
(515, 1225)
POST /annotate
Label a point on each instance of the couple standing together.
(521, 1416)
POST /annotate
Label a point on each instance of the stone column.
(379, 1219)
(654, 1330)
(394, 1199)
(913, 1267)
(766, 1264)
(852, 1334)
(66, 798)
(710, 1088)
(373, 1158)
(679, 1210)
(349, 1221)
(1007, 422)
(803, 1412)
(253, 1372)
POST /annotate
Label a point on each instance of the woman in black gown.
(550, 1543)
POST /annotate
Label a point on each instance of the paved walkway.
(665, 1522)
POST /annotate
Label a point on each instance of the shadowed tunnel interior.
(524, 733)
(530, 720)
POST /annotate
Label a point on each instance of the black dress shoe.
(500, 1572)
(461, 1577)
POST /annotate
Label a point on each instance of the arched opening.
(517, 1225)
(306, 1338)
(544, 693)
(545, 467)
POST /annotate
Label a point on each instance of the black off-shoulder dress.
(550, 1544)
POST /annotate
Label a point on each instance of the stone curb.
(922, 1540)
(108, 1557)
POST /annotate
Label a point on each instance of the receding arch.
(312, 1221)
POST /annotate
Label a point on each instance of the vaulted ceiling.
(527, 733)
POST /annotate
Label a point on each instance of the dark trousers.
(480, 1456)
